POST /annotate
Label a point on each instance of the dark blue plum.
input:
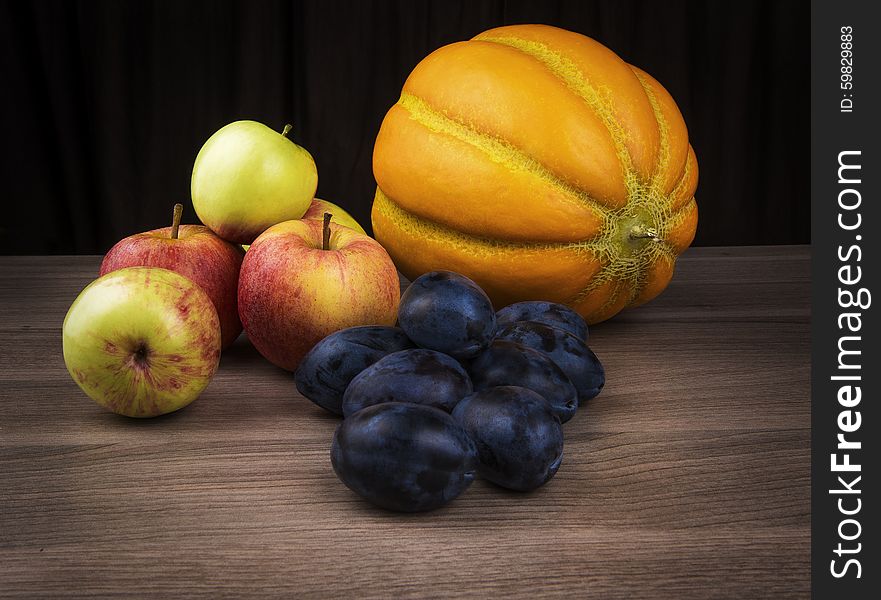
(447, 312)
(510, 363)
(549, 313)
(570, 353)
(418, 376)
(325, 372)
(403, 457)
(519, 440)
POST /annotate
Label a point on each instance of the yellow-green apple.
(318, 207)
(248, 177)
(142, 341)
(195, 252)
(303, 280)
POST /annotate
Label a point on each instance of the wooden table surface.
(688, 477)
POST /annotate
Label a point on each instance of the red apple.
(195, 252)
(303, 280)
(320, 207)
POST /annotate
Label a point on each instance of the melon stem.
(638, 232)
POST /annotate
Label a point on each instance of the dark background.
(105, 104)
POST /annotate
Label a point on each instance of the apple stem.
(286, 130)
(175, 220)
(325, 238)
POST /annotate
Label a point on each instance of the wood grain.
(688, 477)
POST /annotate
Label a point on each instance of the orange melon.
(538, 163)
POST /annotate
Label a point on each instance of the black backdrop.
(106, 103)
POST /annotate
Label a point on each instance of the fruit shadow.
(241, 351)
(469, 509)
(124, 422)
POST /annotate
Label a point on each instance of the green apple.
(142, 341)
(248, 177)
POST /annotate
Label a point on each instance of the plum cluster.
(455, 389)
